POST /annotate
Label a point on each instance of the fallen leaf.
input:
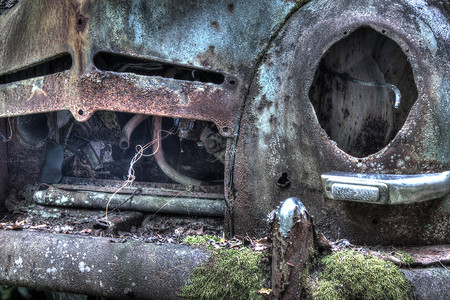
(179, 231)
(199, 231)
(264, 291)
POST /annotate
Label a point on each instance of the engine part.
(187, 129)
(128, 130)
(51, 171)
(99, 154)
(144, 203)
(161, 161)
(213, 142)
(33, 129)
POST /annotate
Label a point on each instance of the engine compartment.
(112, 155)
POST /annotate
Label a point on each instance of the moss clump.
(312, 253)
(200, 239)
(405, 258)
(230, 274)
(352, 275)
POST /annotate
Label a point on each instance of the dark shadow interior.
(354, 91)
(52, 65)
(106, 61)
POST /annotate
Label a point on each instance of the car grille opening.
(106, 61)
(52, 65)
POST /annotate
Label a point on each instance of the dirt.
(150, 228)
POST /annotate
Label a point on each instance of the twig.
(170, 200)
(440, 262)
(131, 173)
(135, 192)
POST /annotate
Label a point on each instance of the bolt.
(127, 291)
(211, 143)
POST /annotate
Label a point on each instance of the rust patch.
(290, 248)
(216, 25)
(296, 144)
(47, 24)
(123, 93)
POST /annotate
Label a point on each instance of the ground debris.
(236, 242)
(153, 229)
(402, 256)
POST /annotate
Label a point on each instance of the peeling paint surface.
(149, 271)
(289, 139)
(282, 149)
(225, 37)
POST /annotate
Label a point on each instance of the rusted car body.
(267, 88)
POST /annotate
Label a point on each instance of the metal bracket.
(385, 188)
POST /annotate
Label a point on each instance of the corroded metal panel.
(225, 37)
(281, 139)
(33, 31)
(96, 266)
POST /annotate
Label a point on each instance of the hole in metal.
(52, 65)
(352, 91)
(125, 64)
(283, 181)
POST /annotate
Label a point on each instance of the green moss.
(200, 239)
(313, 253)
(352, 275)
(328, 290)
(230, 274)
(404, 257)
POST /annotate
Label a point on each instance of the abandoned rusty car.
(127, 126)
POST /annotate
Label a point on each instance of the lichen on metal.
(281, 129)
(203, 36)
(115, 270)
(272, 99)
